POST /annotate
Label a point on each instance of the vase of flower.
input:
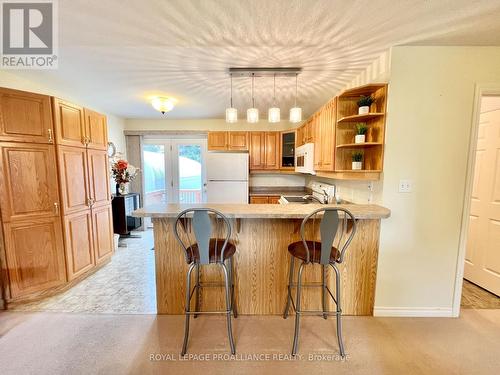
(123, 173)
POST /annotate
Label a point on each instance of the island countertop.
(264, 211)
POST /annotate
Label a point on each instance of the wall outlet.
(405, 186)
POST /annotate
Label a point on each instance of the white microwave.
(304, 158)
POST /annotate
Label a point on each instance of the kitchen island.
(261, 233)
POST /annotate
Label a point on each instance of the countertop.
(264, 211)
(277, 191)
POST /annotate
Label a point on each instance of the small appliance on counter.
(304, 159)
(227, 177)
(320, 193)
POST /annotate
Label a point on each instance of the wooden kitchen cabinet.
(25, 117)
(34, 256)
(96, 130)
(28, 183)
(264, 199)
(325, 144)
(272, 152)
(74, 179)
(257, 150)
(102, 233)
(79, 243)
(274, 199)
(238, 141)
(217, 141)
(98, 169)
(70, 124)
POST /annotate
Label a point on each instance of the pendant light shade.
(231, 112)
(273, 114)
(163, 104)
(253, 113)
(295, 112)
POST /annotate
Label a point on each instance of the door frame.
(481, 89)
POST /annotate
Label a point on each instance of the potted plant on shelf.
(360, 132)
(357, 160)
(364, 103)
(123, 173)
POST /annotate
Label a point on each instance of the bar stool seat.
(298, 250)
(215, 247)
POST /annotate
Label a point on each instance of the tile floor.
(474, 297)
(126, 285)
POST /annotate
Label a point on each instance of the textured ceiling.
(116, 53)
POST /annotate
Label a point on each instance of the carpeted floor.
(69, 343)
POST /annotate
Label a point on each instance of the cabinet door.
(299, 140)
(28, 182)
(217, 141)
(34, 255)
(79, 243)
(238, 141)
(272, 151)
(75, 190)
(327, 138)
(70, 124)
(257, 150)
(25, 117)
(99, 177)
(259, 200)
(102, 222)
(96, 130)
(274, 199)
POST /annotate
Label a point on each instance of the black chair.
(336, 233)
(202, 250)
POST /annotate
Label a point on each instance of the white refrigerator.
(227, 177)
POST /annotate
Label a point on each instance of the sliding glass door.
(174, 171)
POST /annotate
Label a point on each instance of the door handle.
(90, 202)
(56, 208)
(50, 135)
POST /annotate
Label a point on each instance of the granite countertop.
(264, 211)
(278, 191)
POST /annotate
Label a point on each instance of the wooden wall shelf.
(360, 118)
(359, 145)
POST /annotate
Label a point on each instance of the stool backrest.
(197, 220)
(335, 230)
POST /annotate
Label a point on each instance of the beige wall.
(429, 121)
(40, 82)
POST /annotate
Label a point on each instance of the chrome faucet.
(311, 197)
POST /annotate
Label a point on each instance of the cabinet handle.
(56, 208)
(50, 135)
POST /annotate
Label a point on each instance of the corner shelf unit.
(347, 117)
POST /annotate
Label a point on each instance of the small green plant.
(357, 156)
(365, 101)
(361, 128)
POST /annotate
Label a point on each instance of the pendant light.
(231, 112)
(253, 113)
(274, 112)
(295, 112)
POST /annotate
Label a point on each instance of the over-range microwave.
(304, 158)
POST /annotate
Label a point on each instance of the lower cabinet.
(79, 243)
(103, 233)
(34, 255)
(264, 199)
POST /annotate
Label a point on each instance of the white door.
(174, 171)
(482, 259)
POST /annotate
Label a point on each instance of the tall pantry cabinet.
(54, 193)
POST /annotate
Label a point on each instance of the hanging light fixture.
(295, 112)
(231, 112)
(163, 104)
(274, 112)
(253, 113)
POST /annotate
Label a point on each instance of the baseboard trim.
(418, 312)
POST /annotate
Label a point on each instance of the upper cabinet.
(287, 150)
(96, 130)
(324, 127)
(264, 150)
(25, 117)
(272, 150)
(228, 141)
(70, 124)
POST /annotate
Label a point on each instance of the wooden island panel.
(261, 268)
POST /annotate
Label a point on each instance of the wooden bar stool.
(206, 249)
(336, 233)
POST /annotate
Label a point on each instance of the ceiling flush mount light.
(231, 112)
(274, 112)
(296, 112)
(253, 113)
(163, 104)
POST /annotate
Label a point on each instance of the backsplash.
(277, 180)
(354, 191)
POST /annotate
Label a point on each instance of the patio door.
(174, 171)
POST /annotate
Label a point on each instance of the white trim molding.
(415, 312)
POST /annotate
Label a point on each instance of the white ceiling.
(115, 53)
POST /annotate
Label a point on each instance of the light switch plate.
(405, 186)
